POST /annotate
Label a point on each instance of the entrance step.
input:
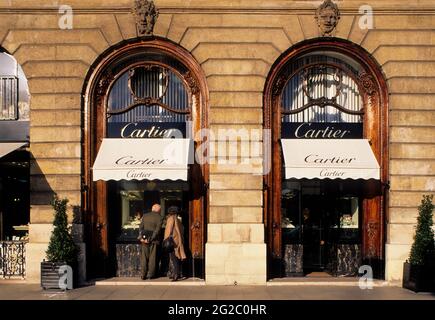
(320, 275)
(322, 281)
(121, 281)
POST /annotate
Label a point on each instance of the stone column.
(235, 251)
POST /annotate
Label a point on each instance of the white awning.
(142, 159)
(329, 159)
(8, 147)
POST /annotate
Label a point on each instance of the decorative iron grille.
(8, 98)
(149, 93)
(13, 258)
(322, 89)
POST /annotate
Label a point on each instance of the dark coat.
(151, 221)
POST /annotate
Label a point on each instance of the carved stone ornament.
(146, 15)
(372, 231)
(279, 85)
(191, 82)
(327, 16)
(368, 84)
(103, 85)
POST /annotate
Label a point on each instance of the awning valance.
(8, 147)
(329, 159)
(143, 159)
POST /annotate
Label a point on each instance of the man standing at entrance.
(148, 233)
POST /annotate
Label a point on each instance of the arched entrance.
(323, 92)
(144, 90)
(14, 167)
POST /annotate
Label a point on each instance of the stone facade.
(236, 43)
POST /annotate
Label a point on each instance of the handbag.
(168, 244)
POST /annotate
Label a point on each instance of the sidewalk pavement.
(16, 291)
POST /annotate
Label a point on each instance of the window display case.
(132, 208)
(345, 228)
(129, 200)
(290, 220)
(133, 199)
(320, 227)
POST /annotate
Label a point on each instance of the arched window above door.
(149, 92)
(150, 85)
(322, 87)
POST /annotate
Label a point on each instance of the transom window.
(149, 92)
(322, 88)
(14, 91)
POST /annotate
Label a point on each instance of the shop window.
(321, 94)
(14, 92)
(320, 217)
(144, 98)
(14, 158)
(9, 101)
(150, 100)
(326, 106)
(134, 198)
(146, 101)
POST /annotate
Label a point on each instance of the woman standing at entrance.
(174, 228)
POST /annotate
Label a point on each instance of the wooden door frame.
(94, 194)
(375, 98)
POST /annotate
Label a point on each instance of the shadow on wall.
(14, 195)
(41, 197)
(42, 194)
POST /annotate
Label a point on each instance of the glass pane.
(149, 84)
(349, 211)
(345, 226)
(129, 200)
(132, 208)
(322, 83)
(290, 213)
(14, 90)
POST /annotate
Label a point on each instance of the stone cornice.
(347, 7)
(192, 10)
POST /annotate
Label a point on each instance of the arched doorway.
(143, 90)
(319, 94)
(14, 166)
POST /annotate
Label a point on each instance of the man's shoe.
(143, 278)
